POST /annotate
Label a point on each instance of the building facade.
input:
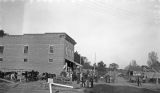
(49, 52)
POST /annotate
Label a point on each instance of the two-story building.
(49, 52)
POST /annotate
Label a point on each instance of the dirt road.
(120, 86)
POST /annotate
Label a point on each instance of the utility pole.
(80, 63)
(80, 59)
(94, 63)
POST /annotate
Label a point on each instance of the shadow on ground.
(103, 88)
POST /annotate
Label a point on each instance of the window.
(66, 51)
(50, 60)
(25, 60)
(1, 49)
(1, 59)
(51, 49)
(25, 49)
(70, 53)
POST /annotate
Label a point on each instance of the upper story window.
(1, 59)
(66, 51)
(50, 60)
(69, 52)
(25, 49)
(51, 49)
(25, 60)
(72, 53)
(1, 49)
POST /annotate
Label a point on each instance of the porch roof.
(74, 62)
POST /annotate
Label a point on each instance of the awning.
(78, 64)
(74, 62)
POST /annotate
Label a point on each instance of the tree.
(2, 33)
(127, 67)
(101, 68)
(152, 58)
(114, 66)
(133, 63)
(83, 60)
(87, 65)
(77, 58)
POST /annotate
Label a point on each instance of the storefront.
(70, 67)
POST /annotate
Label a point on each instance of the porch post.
(66, 67)
(157, 80)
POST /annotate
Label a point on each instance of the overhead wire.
(116, 11)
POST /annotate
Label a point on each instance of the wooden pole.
(50, 88)
(95, 64)
(20, 76)
(80, 63)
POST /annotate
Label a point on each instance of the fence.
(50, 81)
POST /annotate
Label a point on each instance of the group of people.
(46, 75)
(31, 75)
(86, 80)
(109, 79)
(9, 75)
(19, 75)
(137, 79)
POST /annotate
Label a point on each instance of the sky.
(114, 31)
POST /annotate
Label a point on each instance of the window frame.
(51, 48)
(66, 51)
(25, 60)
(26, 51)
(50, 60)
(2, 59)
(72, 53)
(2, 48)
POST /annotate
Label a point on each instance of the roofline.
(37, 34)
(45, 33)
(72, 40)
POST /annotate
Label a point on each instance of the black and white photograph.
(79, 46)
